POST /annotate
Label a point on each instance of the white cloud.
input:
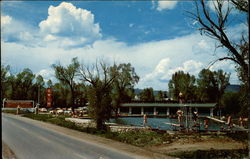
(190, 66)
(47, 74)
(163, 71)
(69, 25)
(158, 72)
(226, 4)
(24, 33)
(5, 20)
(131, 25)
(154, 61)
(162, 5)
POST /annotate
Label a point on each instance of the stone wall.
(113, 127)
(121, 128)
(82, 122)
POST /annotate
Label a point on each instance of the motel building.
(164, 109)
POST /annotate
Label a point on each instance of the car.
(43, 110)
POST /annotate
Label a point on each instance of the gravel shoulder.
(7, 153)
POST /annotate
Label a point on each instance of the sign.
(20, 103)
(49, 97)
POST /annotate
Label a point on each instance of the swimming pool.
(160, 123)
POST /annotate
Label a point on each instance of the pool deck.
(224, 122)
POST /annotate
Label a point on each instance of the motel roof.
(203, 105)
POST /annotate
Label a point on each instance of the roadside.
(137, 152)
(7, 153)
(181, 143)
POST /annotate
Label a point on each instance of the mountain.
(232, 88)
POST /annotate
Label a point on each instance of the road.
(30, 139)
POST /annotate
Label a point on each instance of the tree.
(99, 91)
(40, 91)
(241, 5)
(49, 84)
(61, 95)
(215, 28)
(160, 96)
(184, 83)
(22, 85)
(223, 82)
(67, 75)
(123, 85)
(147, 95)
(211, 85)
(4, 81)
(231, 103)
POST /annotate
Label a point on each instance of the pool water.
(160, 123)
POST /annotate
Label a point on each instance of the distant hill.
(232, 88)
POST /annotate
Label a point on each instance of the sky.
(157, 37)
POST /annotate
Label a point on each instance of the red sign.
(20, 103)
(49, 97)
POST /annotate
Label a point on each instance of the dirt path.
(203, 144)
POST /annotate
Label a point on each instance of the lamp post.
(186, 107)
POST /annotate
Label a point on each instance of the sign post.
(49, 97)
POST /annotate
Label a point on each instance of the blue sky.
(157, 38)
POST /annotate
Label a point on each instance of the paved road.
(33, 141)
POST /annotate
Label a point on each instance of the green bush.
(139, 138)
(41, 117)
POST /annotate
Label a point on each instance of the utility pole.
(38, 100)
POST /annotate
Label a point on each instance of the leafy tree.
(67, 75)
(231, 103)
(184, 83)
(49, 84)
(147, 95)
(40, 90)
(223, 82)
(22, 84)
(123, 85)
(99, 91)
(61, 95)
(211, 85)
(160, 96)
(4, 81)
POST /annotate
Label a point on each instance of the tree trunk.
(72, 99)
(100, 125)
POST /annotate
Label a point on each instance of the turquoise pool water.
(160, 123)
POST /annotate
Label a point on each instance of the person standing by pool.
(195, 116)
(145, 119)
(241, 121)
(229, 121)
(180, 115)
(206, 124)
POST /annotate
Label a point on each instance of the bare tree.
(99, 91)
(215, 26)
